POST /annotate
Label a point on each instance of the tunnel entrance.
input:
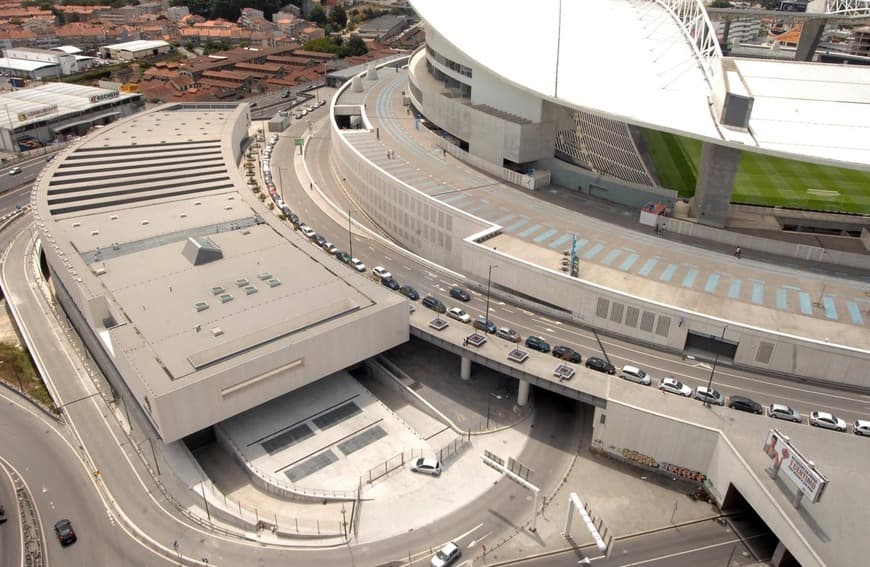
(708, 347)
(750, 528)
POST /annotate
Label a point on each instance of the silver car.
(782, 411)
(426, 465)
(635, 374)
(861, 427)
(827, 420)
(508, 334)
(674, 386)
(709, 395)
(459, 315)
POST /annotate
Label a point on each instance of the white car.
(15, 171)
(861, 427)
(827, 420)
(459, 315)
(307, 231)
(674, 386)
(381, 272)
(426, 465)
(445, 556)
(357, 265)
(709, 395)
(782, 411)
(330, 247)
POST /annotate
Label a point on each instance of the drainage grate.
(365, 438)
(288, 438)
(337, 415)
(311, 466)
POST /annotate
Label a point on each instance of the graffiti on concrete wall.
(675, 470)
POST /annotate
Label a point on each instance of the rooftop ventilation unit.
(242, 282)
(264, 276)
(250, 290)
(225, 298)
(274, 282)
(200, 305)
(201, 250)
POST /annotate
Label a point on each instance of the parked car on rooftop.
(709, 395)
(743, 403)
(537, 343)
(782, 411)
(566, 353)
(674, 386)
(459, 315)
(600, 365)
(409, 292)
(460, 294)
(827, 420)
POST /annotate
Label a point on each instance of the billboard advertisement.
(797, 468)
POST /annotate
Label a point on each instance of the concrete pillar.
(726, 31)
(811, 34)
(465, 370)
(715, 183)
(523, 393)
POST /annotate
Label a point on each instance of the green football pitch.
(761, 179)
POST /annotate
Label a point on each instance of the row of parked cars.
(669, 384)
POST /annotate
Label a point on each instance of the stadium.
(662, 114)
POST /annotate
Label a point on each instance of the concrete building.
(383, 27)
(61, 62)
(138, 49)
(39, 115)
(188, 291)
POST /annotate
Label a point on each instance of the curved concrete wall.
(401, 210)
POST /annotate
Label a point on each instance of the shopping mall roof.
(23, 64)
(137, 45)
(32, 104)
(632, 61)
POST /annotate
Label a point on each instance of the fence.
(395, 462)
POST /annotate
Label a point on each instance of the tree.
(338, 17)
(356, 46)
(720, 4)
(318, 15)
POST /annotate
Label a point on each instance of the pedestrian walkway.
(540, 227)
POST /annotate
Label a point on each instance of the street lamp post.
(489, 406)
(713, 370)
(488, 287)
(349, 233)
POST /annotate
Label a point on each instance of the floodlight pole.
(349, 233)
(713, 370)
(488, 287)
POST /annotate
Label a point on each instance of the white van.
(635, 374)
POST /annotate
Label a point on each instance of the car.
(294, 220)
(635, 374)
(445, 556)
(307, 231)
(599, 364)
(537, 343)
(460, 294)
(674, 386)
(861, 427)
(253, 104)
(285, 93)
(434, 304)
(566, 353)
(297, 116)
(409, 292)
(827, 420)
(65, 533)
(508, 334)
(357, 265)
(391, 283)
(743, 403)
(426, 465)
(481, 324)
(782, 411)
(15, 171)
(319, 240)
(459, 315)
(2, 514)
(709, 395)
(381, 272)
(342, 256)
(329, 247)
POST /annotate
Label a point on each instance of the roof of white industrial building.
(68, 49)
(632, 62)
(68, 98)
(23, 64)
(138, 45)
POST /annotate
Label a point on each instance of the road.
(765, 389)
(10, 538)
(699, 545)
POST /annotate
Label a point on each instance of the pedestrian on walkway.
(738, 253)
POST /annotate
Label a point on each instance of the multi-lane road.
(123, 517)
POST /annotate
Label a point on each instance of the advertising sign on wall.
(786, 458)
(25, 116)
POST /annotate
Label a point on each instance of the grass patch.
(761, 179)
(18, 370)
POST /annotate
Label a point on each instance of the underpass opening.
(749, 527)
(709, 347)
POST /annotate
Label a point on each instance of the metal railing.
(847, 7)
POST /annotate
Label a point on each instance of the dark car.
(65, 533)
(481, 324)
(294, 220)
(343, 256)
(600, 365)
(460, 294)
(2, 514)
(434, 304)
(409, 292)
(566, 353)
(319, 240)
(537, 343)
(391, 283)
(743, 403)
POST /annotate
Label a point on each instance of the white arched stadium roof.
(631, 61)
